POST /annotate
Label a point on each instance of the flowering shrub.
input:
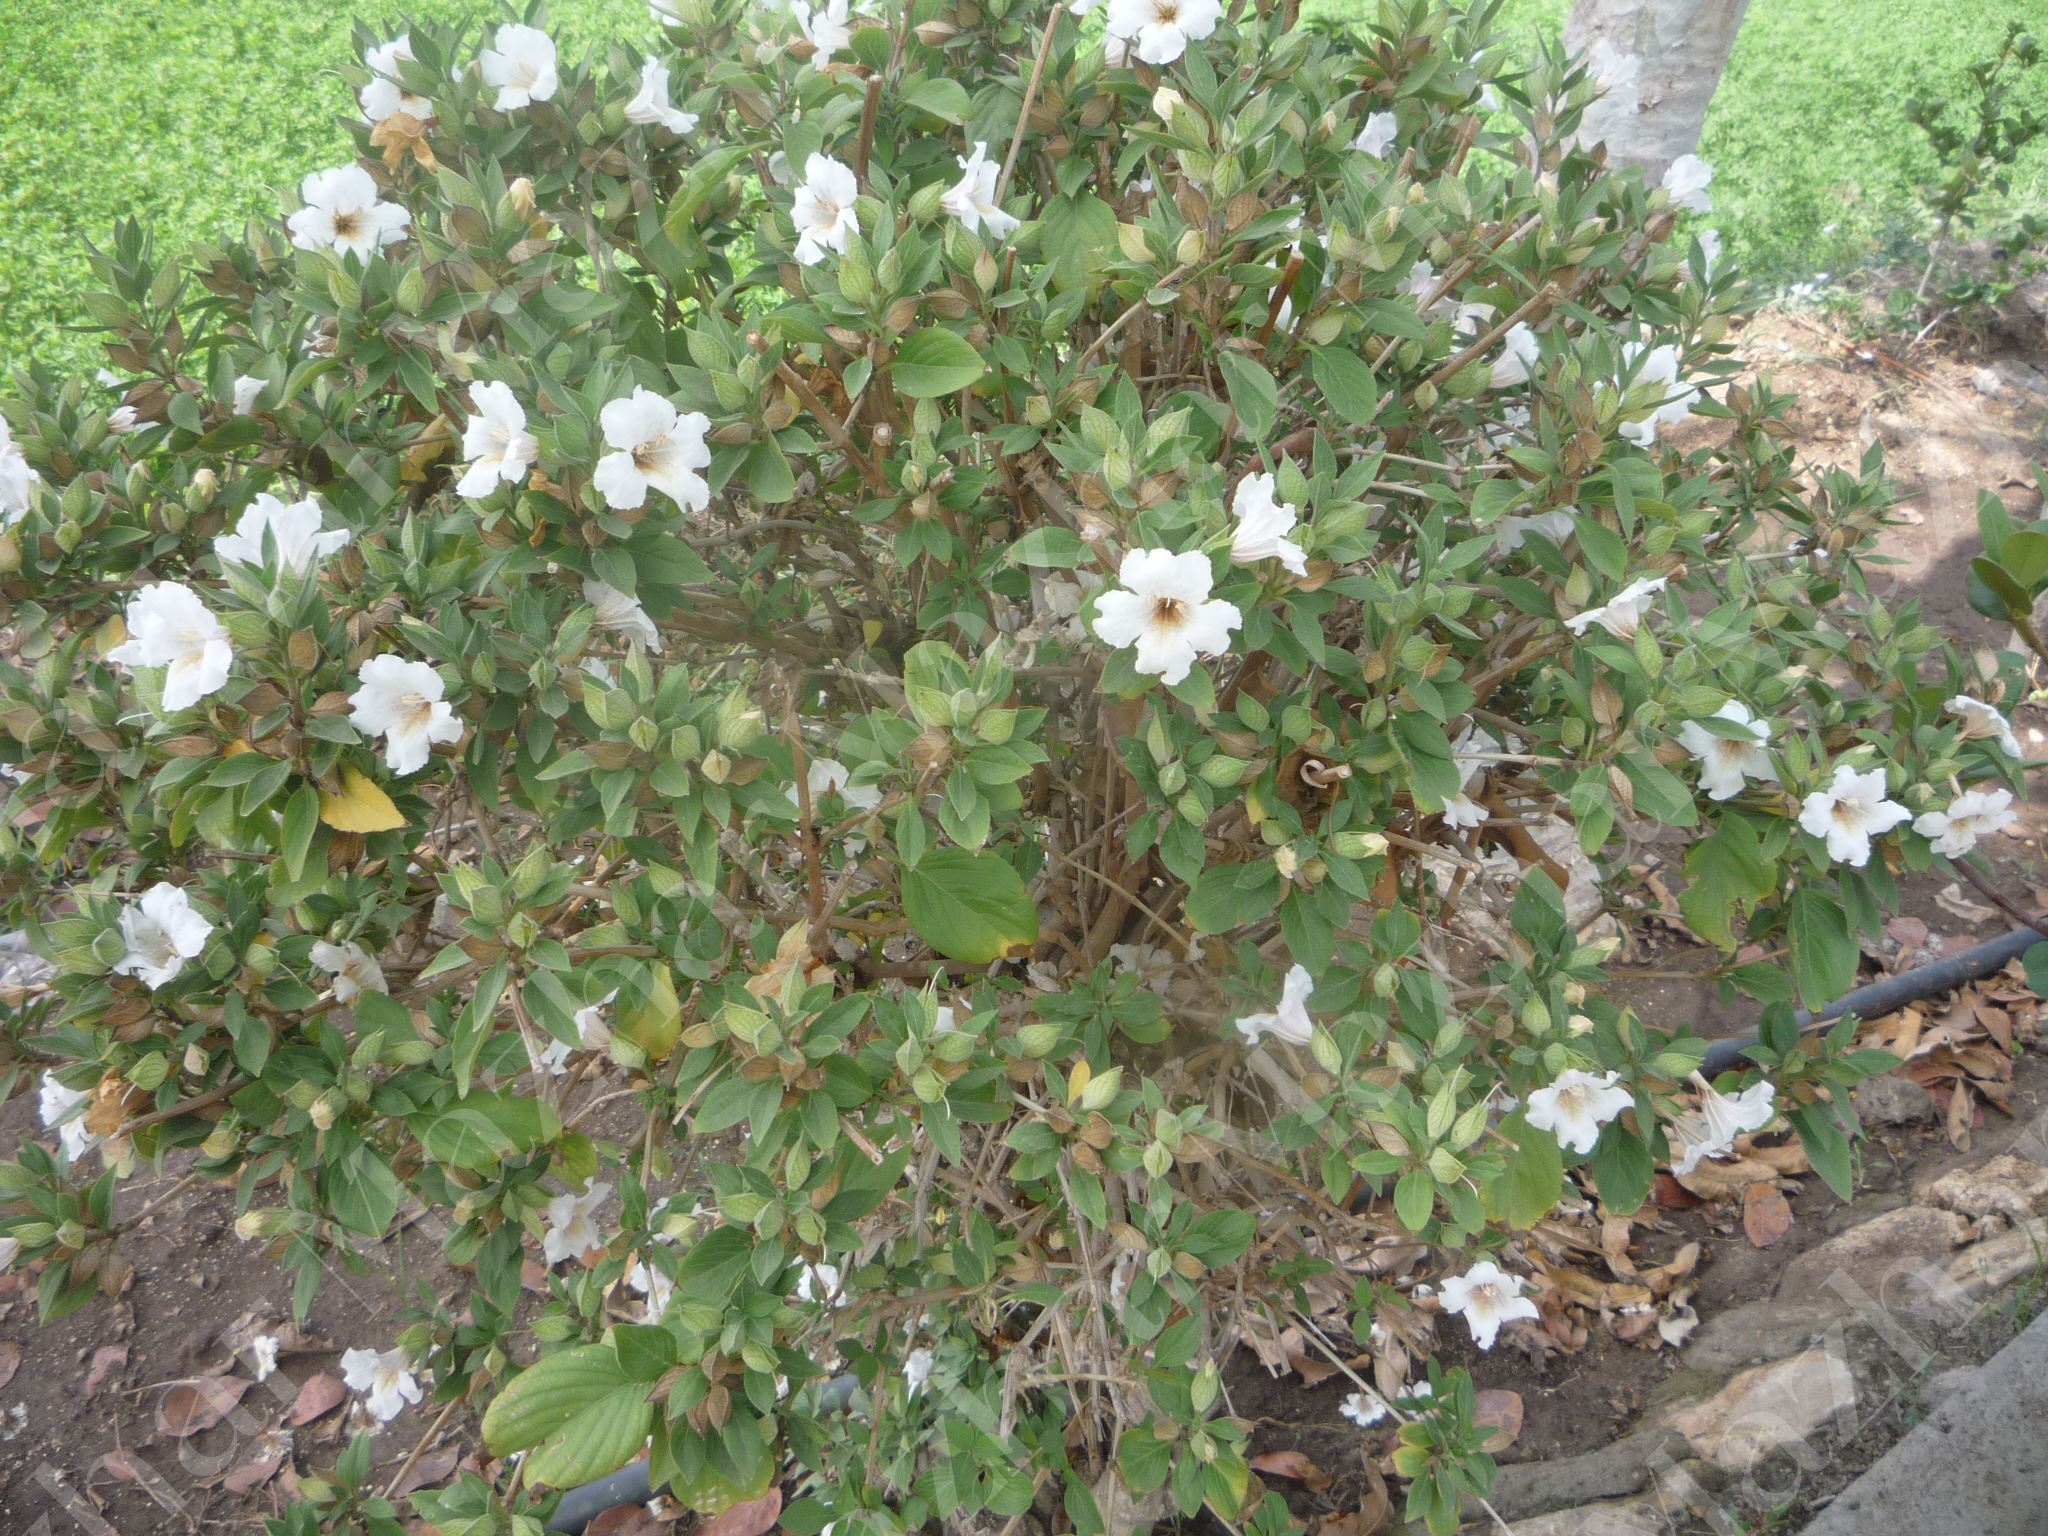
(833, 582)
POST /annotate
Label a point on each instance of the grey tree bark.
(1681, 47)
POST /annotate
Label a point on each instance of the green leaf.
(1229, 896)
(2009, 592)
(934, 362)
(2024, 557)
(579, 1412)
(1660, 793)
(1050, 545)
(768, 474)
(1824, 951)
(1253, 394)
(1725, 874)
(969, 906)
(1071, 232)
(1827, 1148)
(715, 1261)
(1347, 383)
(362, 1191)
(1414, 1199)
(1220, 1237)
(645, 1352)
(943, 98)
(1623, 1168)
(1535, 1174)
(1432, 773)
(301, 820)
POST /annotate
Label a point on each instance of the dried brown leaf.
(271, 1448)
(1293, 1466)
(196, 1405)
(750, 1518)
(10, 1360)
(320, 1394)
(1766, 1215)
(107, 1359)
(1500, 1411)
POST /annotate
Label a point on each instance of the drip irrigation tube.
(1882, 997)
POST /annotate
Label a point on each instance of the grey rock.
(1881, 1258)
(1943, 1385)
(1890, 1100)
(1977, 1466)
(1612, 1472)
(1629, 1517)
(1768, 1406)
(1986, 381)
(1761, 1331)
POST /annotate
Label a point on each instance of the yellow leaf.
(360, 807)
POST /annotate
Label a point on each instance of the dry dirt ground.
(80, 1442)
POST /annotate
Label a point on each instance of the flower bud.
(985, 272)
(924, 203)
(1038, 410)
(219, 1143)
(856, 277)
(1101, 1090)
(1189, 250)
(412, 291)
(1286, 860)
(1038, 1040)
(1578, 1024)
(323, 1111)
(717, 766)
(138, 481)
(251, 1225)
(1324, 1049)
(195, 1060)
(1385, 981)
(1208, 1386)
(520, 197)
(1358, 845)
(199, 492)
(10, 554)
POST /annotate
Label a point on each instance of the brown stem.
(1024, 112)
(1118, 324)
(1280, 293)
(1998, 898)
(807, 832)
(1461, 270)
(866, 145)
(188, 1107)
(1538, 300)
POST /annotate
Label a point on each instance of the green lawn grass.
(193, 116)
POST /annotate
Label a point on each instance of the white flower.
(1420, 280)
(1711, 1129)
(384, 1379)
(619, 612)
(1159, 31)
(1981, 722)
(1116, 53)
(917, 1369)
(973, 200)
(169, 627)
(1576, 1105)
(1623, 613)
(591, 1027)
(162, 932)
(342, 213)
(1461, 810)
(1509, 533)
(1660, 367)
(1361, 1411)
(652, 104)
(295, 530)
(656, 447)
(826, 774)
(1976, 813)
(1418, 1391)
(826, 27)
(1687, 182)
(263, 1352)
(651, 1283)
(1487, 1298)
(1291, 1023)
(1710, 247)
(1518, 355)
(60, 1107)
(522, 67)
(354, 969)
(10, 1250)
(384, 94)
(823, 210)
(401, 701)
(1263, 523)
(571, 1230)
(247, 388)
(552, 1059)
(1850, 811)
(1377, 136)
(1613, 69)
(1726, 762)
(820, 1282)
(1164, 609)
(495, 441)
(1152, 965)
(122, 420)
(16, 476)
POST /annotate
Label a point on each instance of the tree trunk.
(1682, 46)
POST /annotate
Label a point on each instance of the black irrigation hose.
(1882, 997)
(629, 1484)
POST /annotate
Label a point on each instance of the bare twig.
(1030, 96)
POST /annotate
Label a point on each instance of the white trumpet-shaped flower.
(1659, 367)
(917, 1369)
(1159, 31)
(1519, 352)
(495, 440)
(16, 476)
(62, 1109)
(294, 530)
(1291, 1021)
(384, 1380)
(1726, 763)
(1263, 523)
(972, 200)
(656, 446)
(247, 389)
(1472, 751)
(1974, 813)
(1575, 1105)
(1163, 609)
(1850, 812)
(1377, 136)
(572, 1226)
(522, 67)
(592, 1028)
(621, 612)
(343, 213)
(651, 1283)
(169, 627)
(1614, 69)
(354, 969)
(652, 106)
(1621, 615)
(384, 94)
(1510, 533)
(161, 932)
(1710, 1130)
(823, 211)
(1982, 722)
(1486, 1298)
(827, 774)
(825, 27)
(402, 701)
(1687, 181)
